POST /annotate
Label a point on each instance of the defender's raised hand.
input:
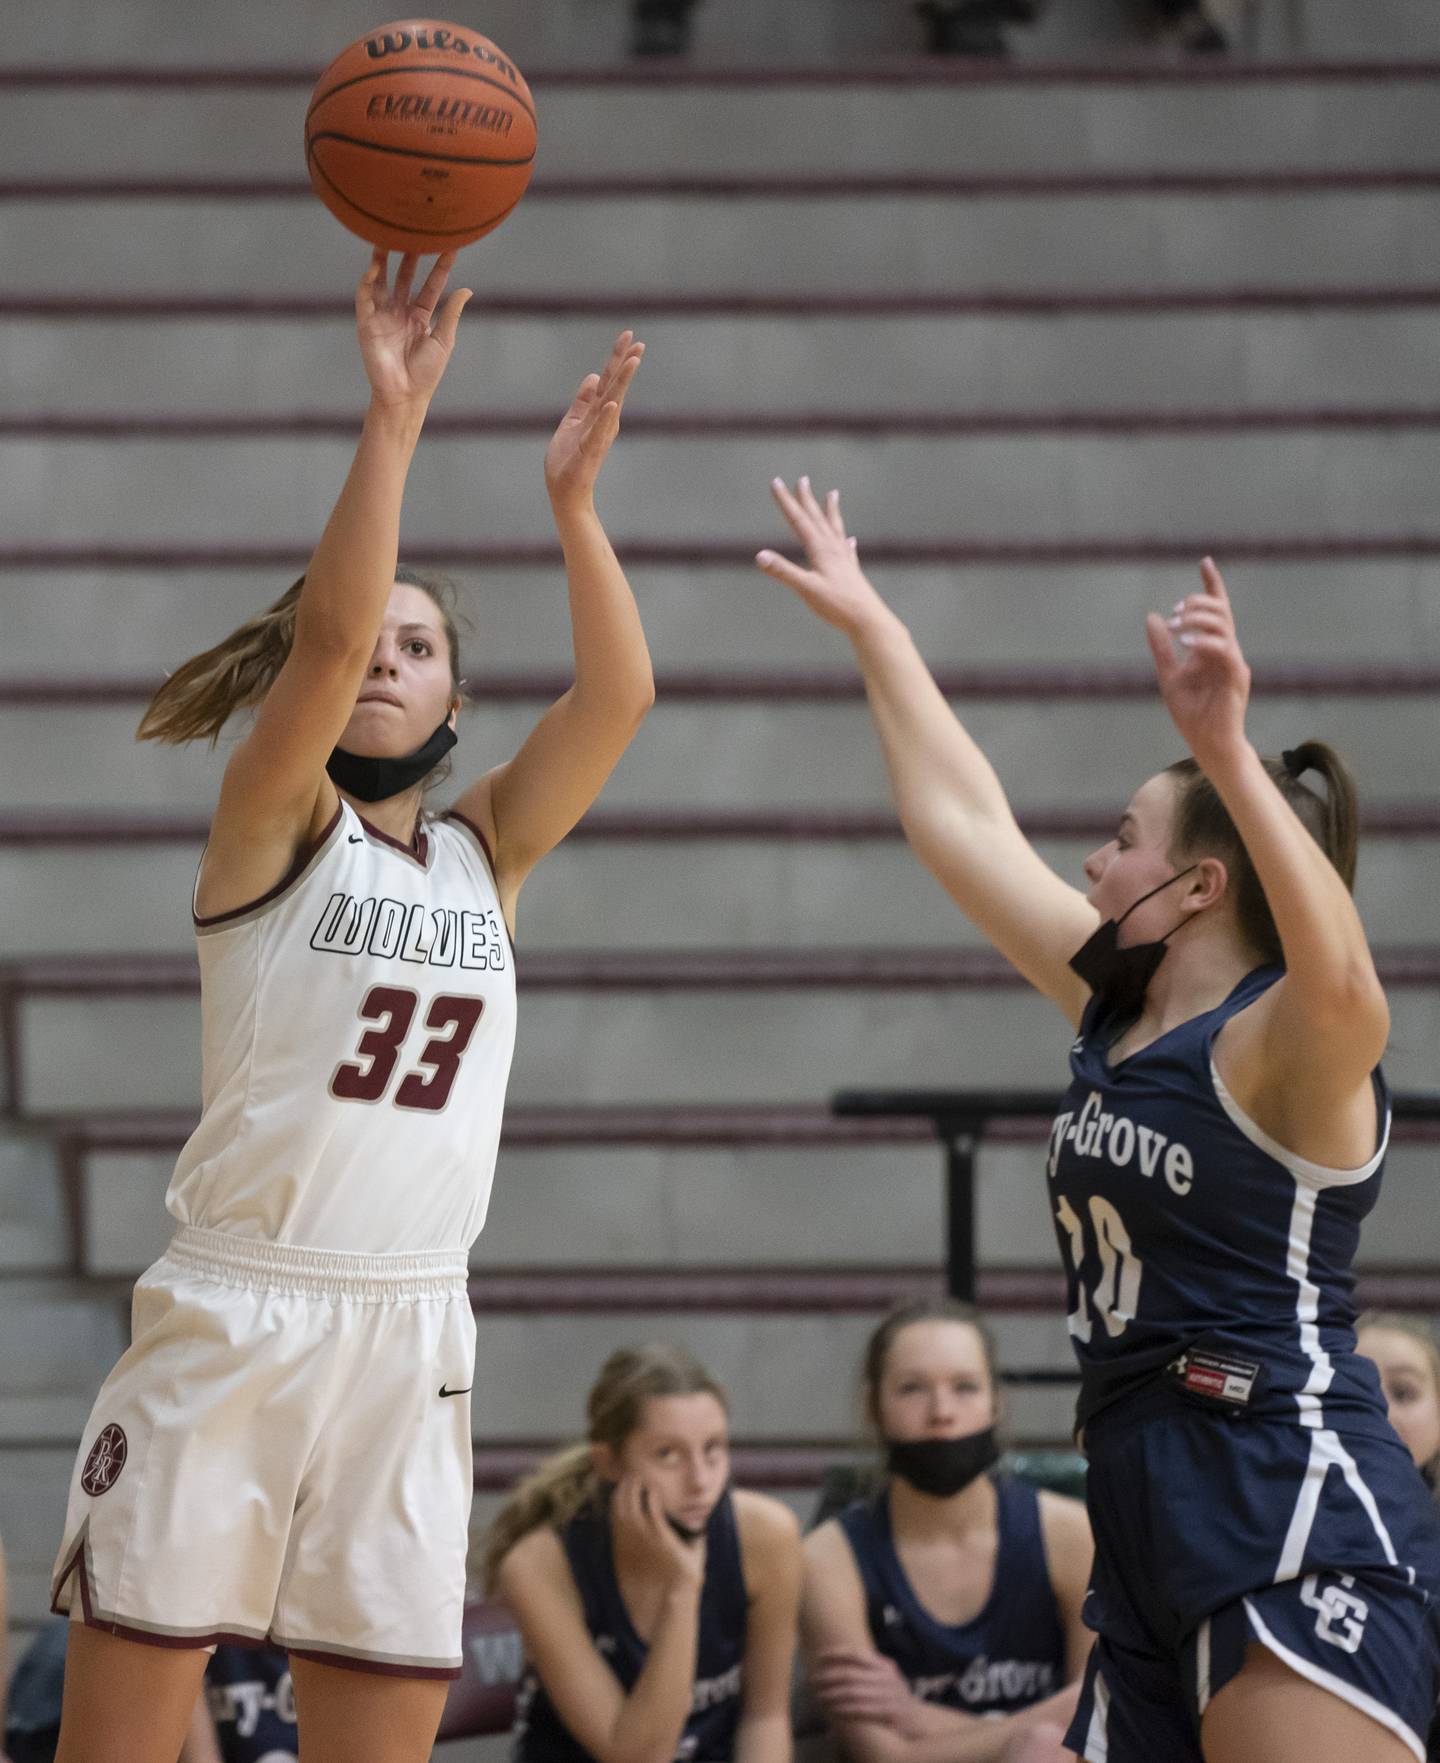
(830, 581)
(580, 444)
(1203, 675)
(404, 342)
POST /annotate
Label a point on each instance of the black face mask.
(1118, 977)
(942, 1467)
(376, 780)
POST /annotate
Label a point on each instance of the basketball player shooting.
(283, 1455)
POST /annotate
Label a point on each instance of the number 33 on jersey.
(358, 1029)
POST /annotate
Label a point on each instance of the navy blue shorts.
(1212, 1533)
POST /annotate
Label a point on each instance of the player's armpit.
(1305, 1084)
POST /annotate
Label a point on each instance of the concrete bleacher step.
(589, 893)
(946, 123)
(766, 1027)
(921, 243)
(787, 1375)
(697, 363)
(612, 893)
(535, 1364)
(751, 1202)
(60, 622)
(56, 1334)
(62, 1343)
(1033, 488)
(748, 1204)
(35, 1231)
(806, 33)
(754, 756)
(33, 1485)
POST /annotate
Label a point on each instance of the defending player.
(658, 1604)
(1265, 1558)
(284, 1452)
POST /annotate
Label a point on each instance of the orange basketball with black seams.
(420, 136)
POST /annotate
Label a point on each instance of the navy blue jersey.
(252, 1703)
(1182, 1224)
(709, 1734)
(1010, 1654)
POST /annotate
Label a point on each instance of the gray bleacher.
(1240, 351)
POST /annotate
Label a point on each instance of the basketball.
(420, 136)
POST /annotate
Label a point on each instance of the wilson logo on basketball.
(106, 1460)
(442, 39)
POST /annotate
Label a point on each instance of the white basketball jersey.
(358, 1024)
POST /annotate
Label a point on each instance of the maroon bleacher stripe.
(198, 425)
(678, 1290)
(897, 70)
(649, 970)
(44, 828)
(685, 1125)
(739, 303)
(829, 1289)
(712, 554)
(689, 1126)
(813, 686)
(779, 187)
(31, 828)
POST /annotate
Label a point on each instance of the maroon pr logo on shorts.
(106, 1460)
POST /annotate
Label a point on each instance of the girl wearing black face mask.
(1267, 1575)
(941, 1617)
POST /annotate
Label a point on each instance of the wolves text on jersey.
(429, 937)
(1091, 1132)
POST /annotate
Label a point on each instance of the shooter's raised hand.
(404, 341)
(579, 446)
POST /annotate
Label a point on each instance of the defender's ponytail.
(1203, 827)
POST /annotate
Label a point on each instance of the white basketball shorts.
(282, 1456)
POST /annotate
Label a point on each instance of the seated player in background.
(1408, 1361)
(941, 1615)
(246, 1711)
(658, 1604)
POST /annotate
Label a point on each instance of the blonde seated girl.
(658, 1604)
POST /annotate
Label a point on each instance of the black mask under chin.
(942, 1467)
(376, 780)
(1118, 977)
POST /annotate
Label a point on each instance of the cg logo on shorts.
(106, 1460)
(1341, 1615)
